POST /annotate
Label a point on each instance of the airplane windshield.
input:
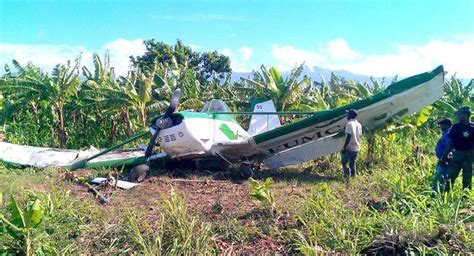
(215, 106)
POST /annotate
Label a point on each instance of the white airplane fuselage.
(197, 132)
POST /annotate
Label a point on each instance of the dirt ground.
(213, 198)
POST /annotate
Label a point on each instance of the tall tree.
(206, 65)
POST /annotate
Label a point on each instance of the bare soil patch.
(213, 198)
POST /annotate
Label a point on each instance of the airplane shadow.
(283, 175)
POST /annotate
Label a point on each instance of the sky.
(369, 37)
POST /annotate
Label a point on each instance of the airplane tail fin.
(263, 123)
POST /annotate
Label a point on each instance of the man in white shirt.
(352, 145)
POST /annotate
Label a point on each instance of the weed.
(261, 191)
(177, 233)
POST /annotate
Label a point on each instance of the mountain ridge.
(316, 73)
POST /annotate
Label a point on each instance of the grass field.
(388, 208)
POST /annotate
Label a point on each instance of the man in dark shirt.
(461, 139)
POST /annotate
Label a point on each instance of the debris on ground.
(390, 245)
(377, 205)
(103, 200)
(112, 183)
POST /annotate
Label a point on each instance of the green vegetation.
(21, 227)
(314, 212)
(261, 191)
(178, 233)
(37, 223)
(390, 205)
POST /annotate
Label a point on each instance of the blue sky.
(367, 37)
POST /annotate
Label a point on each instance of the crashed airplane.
(214, 134)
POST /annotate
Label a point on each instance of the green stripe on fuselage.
(322, 116)
(228, 132)
(208, 115)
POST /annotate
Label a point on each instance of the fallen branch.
(102, 199)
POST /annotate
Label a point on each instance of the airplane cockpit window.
(215, 106)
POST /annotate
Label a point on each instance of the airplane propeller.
(163, 121)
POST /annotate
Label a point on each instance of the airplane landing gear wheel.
(246, 170)
(138, 173)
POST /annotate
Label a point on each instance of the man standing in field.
(352, 144)
(442, 170)
(461, 139)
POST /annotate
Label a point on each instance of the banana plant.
(101, 95)
(102, 69)
(22, 227)
(63, 85)
(2, 121)
(18, 92)
(32, 87)
(286, 93)
(456, 94)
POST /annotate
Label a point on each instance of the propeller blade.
(151, 144)
(173, 103)
(171, 108)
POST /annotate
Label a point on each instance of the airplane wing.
(286, 145)
(306, 152)
(41, 157)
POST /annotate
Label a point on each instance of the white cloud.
(47, 56)
(246, 52)
(227, 52)
(456, 54)
(240, 58)
(44, 56)
(287, 57)
(338, 49)
(120, 51)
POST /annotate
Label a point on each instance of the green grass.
(338, 218)
(177, 233)
(315, 212)
(65, 217)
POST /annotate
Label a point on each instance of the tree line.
(75, 107)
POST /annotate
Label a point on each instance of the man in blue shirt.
(442, 170)
(461, 139)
